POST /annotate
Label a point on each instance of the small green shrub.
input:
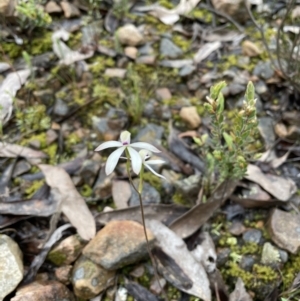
(32, 15)
(230, 151)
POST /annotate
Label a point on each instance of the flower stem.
(139, 192)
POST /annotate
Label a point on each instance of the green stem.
(139, 192)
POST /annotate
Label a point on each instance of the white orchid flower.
(125, 145)
(145, 155)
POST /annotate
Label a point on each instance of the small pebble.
(252, 236)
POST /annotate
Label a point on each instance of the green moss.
(103, 94)
(166, 3)
(99, 64)
(264, 273)
(250, 248)
(51, 151)
(153, 180)
(39, 137)
(11, 50)
(36, 45)
(79, 96)
(36, 185)
(41, 44)
(72, 139)
(202, 14)
(291, 270)
(33, 118)
(181, 42)
(179, 199)
(86, 191)
(75, 40)
(57, 257)
(232, 269)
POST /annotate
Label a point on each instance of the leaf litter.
(208, 45)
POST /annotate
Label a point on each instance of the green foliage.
(33, 118)
(32, 15)
(134, 101)
(231, 150)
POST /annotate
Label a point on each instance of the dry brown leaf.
(276, 162)
(121, 193)
(175, 247)
(191, 221)
(71, 202)
(8, 150)
(281, 188)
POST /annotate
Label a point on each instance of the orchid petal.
(153, 162)
(145, 154)
(125, 137)
(113, 159)
(108, 144)
(154, 172)
(145, 145)
(136, 160)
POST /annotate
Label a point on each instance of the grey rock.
(223, 256)
(237, 228)
(109, 127)
(11, 265)
(175, 63)
(149, 108)
(189, 186)
(66, 251)
(284, 229)
(264, 70)
(266, 129)
(44, 290)
(149, 195)
(151, 133)
(118, 118)
(89, 171)
(187, 70)
(166, 113)
(235, 88)
(169, 49)
(44, 96)
(146, 59)
(147, 49)
(284, 256)
(103, 185)
(194, 83)
(60, 108)
(129, 35)
(51, 136)
(118, 244)
(247, 262)
(90, 279)
(261, 87)
(252, 236)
